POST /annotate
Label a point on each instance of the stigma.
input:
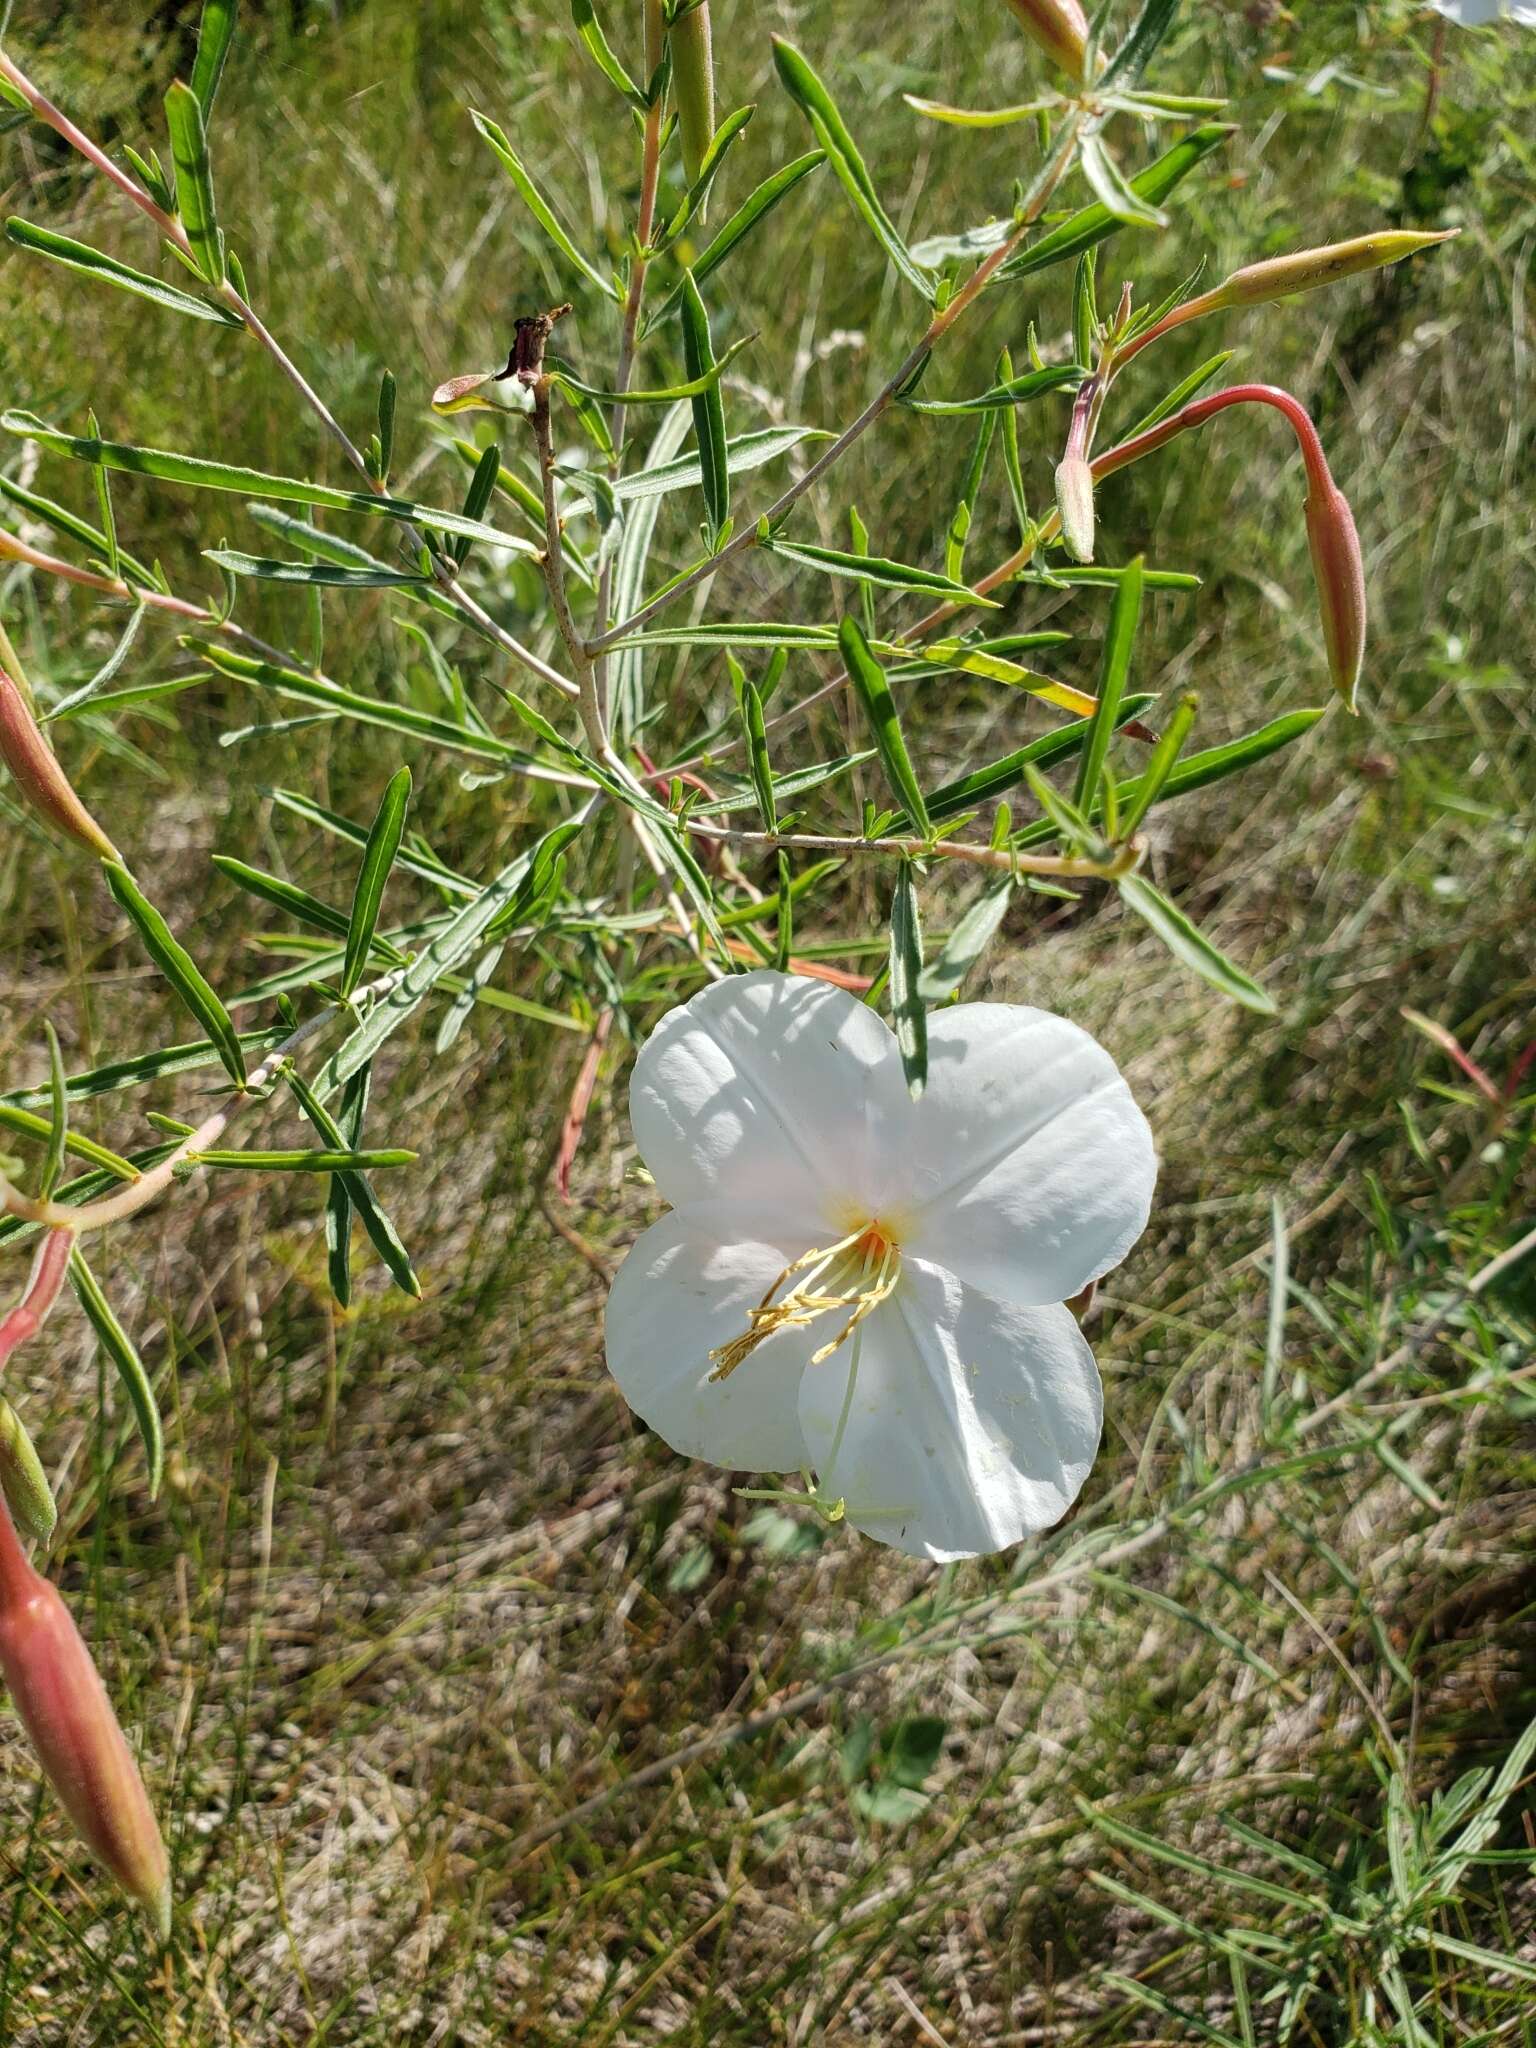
(856, 1274)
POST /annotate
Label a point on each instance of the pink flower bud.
(1340, 573)
(38, 776)
(63, 1705)
(1059, 27)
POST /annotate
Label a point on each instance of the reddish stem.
(1319, 477)
(43, 1287)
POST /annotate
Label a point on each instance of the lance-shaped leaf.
(627, 664)
(753, 211)
(698, 191)
(1185, 940)
(58, 1125)
(565, 377)
(742, 453)
(708, 412)
(79, 256)
(1146, 32)
(336, 1159)
(757, 755)
(501, 901)
(1015, 391)
(590, 29)
(1114, 672)
(1111, 188)
(339, 1206)
(120, 1348)
(179, 969)
(965, 945)
(149, 1066)
(378, 858)
(169, 467)
(194, 180)
(981, 785)
(26, 1124)
(874, 569)
(538, 206)
(909, 1014)
(64, 521)
(820, 109)
(327, 575)
(1095, 223)
(215, 33)
(880, 709)
(382, 1234)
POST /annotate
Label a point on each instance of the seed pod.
(38, 776)
(63, 1705)
(1304, 270)
(693, 85)
(1340, 573)
(1074, 502)
(22, 1478)
(1059, 27)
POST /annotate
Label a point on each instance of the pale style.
(872, 1288)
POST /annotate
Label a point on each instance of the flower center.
(857, 1273)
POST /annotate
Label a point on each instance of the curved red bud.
(1340, 573)
(63, 1705)
(38, 776)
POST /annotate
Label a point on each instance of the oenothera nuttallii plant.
(885, 1202)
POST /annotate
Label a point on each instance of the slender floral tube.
(693, 85)
(35, 768)
(63, 1705)
(1331, 535)
(1059, 27)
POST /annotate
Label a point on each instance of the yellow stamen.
(858, 1273)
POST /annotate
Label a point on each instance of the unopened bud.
(1074, 503)
(1059, 27)
(37, 774)
(693, 85)
(1340, 573)
(22, 1478)
(1304, 270)
(63, 1705)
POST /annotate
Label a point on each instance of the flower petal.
(759, 1105)
(1032, 1168)
(971, 1422)
(677, 1296)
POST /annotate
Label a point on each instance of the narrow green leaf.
(970, 490)
(1188, 943)
(965, 944)
(120, 1348)
(329, 575)
(693, 200)
(170, 467)
(708, 411)
(1181, 393)
(983, 784)
(77, 699)
(62, 520)
(339, 1208)
(58, 1125)
(873, 569)
(387, 398)
(28, 1125)
(194, 180)
(341, 1159)
(109, 270)
(563, 375)
(808, 92)
(215, 33)
(757, 753)
(1095, 223)
(748, 216)
(589, 28)
(1147, 31)
(909, 1015)
(1114, 672)
(149, 1066)
(382, 1234)
(626, 662)
(378, 858)
(538, 206)
(1214, 764)
(744, 452)
(880, 709)
(104, 506)
(1151, 782)
(1015, 391)
(179, 968)
(500, 902)
(1113, 191)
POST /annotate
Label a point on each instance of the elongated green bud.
(63, 1705)
(22, 1478)
(693, 85)
(1074, 502)
(35, 768)
(1304, 270)
(1059, 27)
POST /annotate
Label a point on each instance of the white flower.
(1475, 13)
(873, 1288)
